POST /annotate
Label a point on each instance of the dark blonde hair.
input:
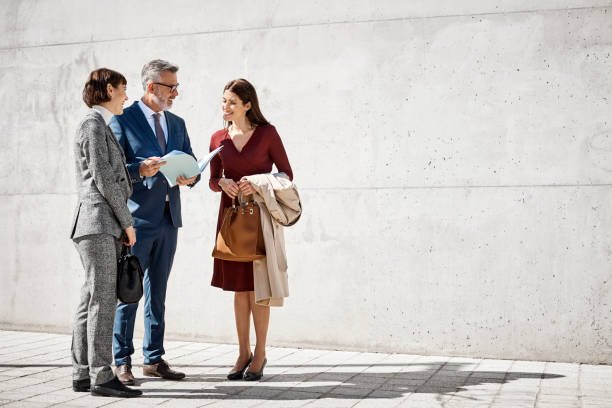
(95, 92)
(246, 92)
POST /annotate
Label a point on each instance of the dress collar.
(106, 114)
(148, 112)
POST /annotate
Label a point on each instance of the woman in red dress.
(250, 146)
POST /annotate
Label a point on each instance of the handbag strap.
(125, 250)
(244, 200)
(250, 199)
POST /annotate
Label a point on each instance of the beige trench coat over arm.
(280, 205)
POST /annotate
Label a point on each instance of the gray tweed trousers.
(92, 335)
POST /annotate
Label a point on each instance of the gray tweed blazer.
(102, 180)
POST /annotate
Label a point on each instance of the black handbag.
(129, 277)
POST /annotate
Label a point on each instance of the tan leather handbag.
(240, 238)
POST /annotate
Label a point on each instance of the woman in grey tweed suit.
(101, 219)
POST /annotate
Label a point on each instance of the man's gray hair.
(151, 71)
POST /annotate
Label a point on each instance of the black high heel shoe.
(238, 374)
(255, 376)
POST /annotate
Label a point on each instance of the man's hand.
(182, 181)
(150, 166)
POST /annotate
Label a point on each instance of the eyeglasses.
(172, 87)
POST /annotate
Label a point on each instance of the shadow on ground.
(428, 378)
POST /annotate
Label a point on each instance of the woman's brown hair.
(246, 92)
(94, 92)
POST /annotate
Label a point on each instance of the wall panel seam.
(329, 23)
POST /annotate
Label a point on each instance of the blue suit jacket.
(139, 142)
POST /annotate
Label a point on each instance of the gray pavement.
(35, 371)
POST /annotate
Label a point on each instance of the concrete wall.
(454, 159)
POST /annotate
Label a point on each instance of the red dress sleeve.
(278, 155)
(216, 166)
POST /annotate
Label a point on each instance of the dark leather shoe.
(255, 375)
(238, 374)
(115, 388)
(163, 370)
(81, 385)
(124, 374)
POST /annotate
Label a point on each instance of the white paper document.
(181, 164)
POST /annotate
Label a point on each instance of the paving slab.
(35, 371)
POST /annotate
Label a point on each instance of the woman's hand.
(246, 187)
(130, 236)
(229, 187)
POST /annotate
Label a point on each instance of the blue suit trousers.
(155, 248)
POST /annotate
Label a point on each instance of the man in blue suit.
(147, 131)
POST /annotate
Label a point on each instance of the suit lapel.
(113, 141)
(170, 126)
(110, 135)
(135, 116)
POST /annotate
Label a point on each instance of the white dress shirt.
(148, 112)
(106, 114)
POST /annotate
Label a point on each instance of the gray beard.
(158, 101)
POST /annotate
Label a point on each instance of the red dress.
(263, 149)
